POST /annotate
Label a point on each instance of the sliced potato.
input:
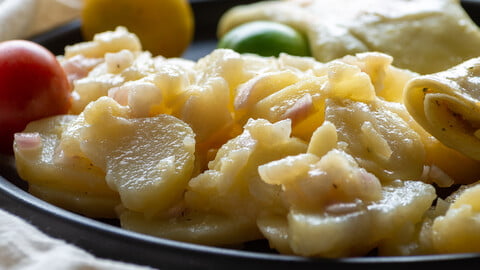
(195, 227)
(147, 160)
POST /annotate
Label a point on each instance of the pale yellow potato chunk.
(387, 80)
(172, 76)
(261, 86)
(91, 88)
(414, 239)
(452, 166)
(118, 69)
(275, 229)
(47, 165)
(232, 185)
(88, 204)
(207, 109)
(381, 141)
(109, 41)
(224, 63)
(144, 98)
(348, 81)
(310, 182)
(359, 226)
(194, 227)
(147, 160)
(303, 64)
(323, 139)
(458, 230)
(302, 102)
(143, 65)
(61, 175)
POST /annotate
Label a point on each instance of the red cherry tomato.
(33, 85)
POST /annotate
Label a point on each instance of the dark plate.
(105, 239)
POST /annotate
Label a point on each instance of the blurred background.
(56, 23)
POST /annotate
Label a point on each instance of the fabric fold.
(27, 18)
(23, 246)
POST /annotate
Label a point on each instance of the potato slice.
(147, 160)
(195, 227)
(275, 229)
(232, 185)
(46, 164)
(457, 231)
(381, 141)
(85, 203)
(59, 174)
(261, 86)
(356, 232)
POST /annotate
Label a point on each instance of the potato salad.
(321, 159)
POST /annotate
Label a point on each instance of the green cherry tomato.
(265, 38)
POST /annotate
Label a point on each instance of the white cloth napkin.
(21, 19)
(24, 247)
